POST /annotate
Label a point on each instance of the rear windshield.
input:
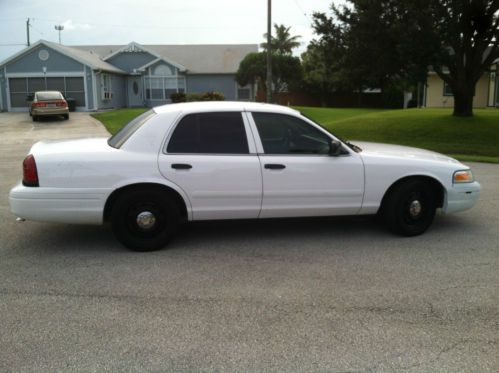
(47, 96)
(120, 137)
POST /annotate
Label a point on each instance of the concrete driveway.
(302, 295)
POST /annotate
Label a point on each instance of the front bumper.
(461, 197)
(58, 205)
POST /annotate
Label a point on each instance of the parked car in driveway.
(48, 103)
(228, 160)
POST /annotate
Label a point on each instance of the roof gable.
(86, 58)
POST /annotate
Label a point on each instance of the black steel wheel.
(144, 219)
(410, 207)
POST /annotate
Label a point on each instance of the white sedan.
(229, 160)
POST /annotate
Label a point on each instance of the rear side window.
(120, 137)
(210, 133)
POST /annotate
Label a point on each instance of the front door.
(209, 156)
(135, 98)
(300, 178)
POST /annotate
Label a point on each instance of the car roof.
(47, 92)
(223, 105)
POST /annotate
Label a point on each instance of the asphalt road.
(296, 295)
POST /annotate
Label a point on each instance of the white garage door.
(71, 87)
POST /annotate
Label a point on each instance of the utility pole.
(269, 51)
(27, 32)
(59, 28)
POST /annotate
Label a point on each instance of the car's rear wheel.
(410, 207)
(66, 116)
(144, 219)
(34, 118)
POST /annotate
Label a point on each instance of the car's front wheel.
(144, 219)
(410, 207)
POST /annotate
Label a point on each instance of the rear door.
(212, 158)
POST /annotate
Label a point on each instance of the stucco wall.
(224, 83)
(118, 87)
(435, 93)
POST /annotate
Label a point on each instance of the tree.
(286, 70)
(390, 42)
(463, 36)
(282, 42)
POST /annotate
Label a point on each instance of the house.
(437, 93)
(112, 76)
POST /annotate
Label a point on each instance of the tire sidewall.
(167, 217)
(396, 211)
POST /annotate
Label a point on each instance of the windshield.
(120, 137)
(355, 148)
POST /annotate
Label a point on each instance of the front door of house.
(135, 95)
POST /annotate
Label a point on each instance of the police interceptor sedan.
(232, 160)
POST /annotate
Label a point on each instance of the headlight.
(464, 176)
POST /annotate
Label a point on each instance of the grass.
(115, 119)
(467, 139)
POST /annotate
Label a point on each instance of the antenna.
(59, 28)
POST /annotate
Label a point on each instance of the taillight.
(61, 103)
(30, 174)
(40, 104)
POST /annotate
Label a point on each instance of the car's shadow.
(230, 235)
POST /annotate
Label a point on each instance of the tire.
(410, 207)
(132, 214)
(66, 116)
(34, 118)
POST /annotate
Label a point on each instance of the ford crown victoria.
(229, 160)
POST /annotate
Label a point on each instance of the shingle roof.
(198, 59)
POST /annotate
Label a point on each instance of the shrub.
(206, 96)
(178, 97)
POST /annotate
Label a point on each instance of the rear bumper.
(461, 197)
(50, 111)
(58, 205)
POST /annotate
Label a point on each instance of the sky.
(93, 22)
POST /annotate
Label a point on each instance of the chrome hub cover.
(146, 220)
(415, 208)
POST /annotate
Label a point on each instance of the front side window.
(210, 133)
(285, 134)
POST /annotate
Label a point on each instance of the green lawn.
(472, 139)
(115, 119)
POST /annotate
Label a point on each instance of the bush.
(206, 96)
(178, 97)
(393, 98)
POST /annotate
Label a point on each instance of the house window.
(447, 90)
(243, 93)
(160, 88)
(106, 89)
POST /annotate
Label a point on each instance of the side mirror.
(334, 148)
(30, 97)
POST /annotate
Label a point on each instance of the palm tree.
(282, 42)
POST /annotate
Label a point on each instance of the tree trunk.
(463, 104)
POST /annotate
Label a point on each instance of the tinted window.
(129, 129)
(215, 133)
(285, 134)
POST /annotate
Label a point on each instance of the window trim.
(252, 151)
